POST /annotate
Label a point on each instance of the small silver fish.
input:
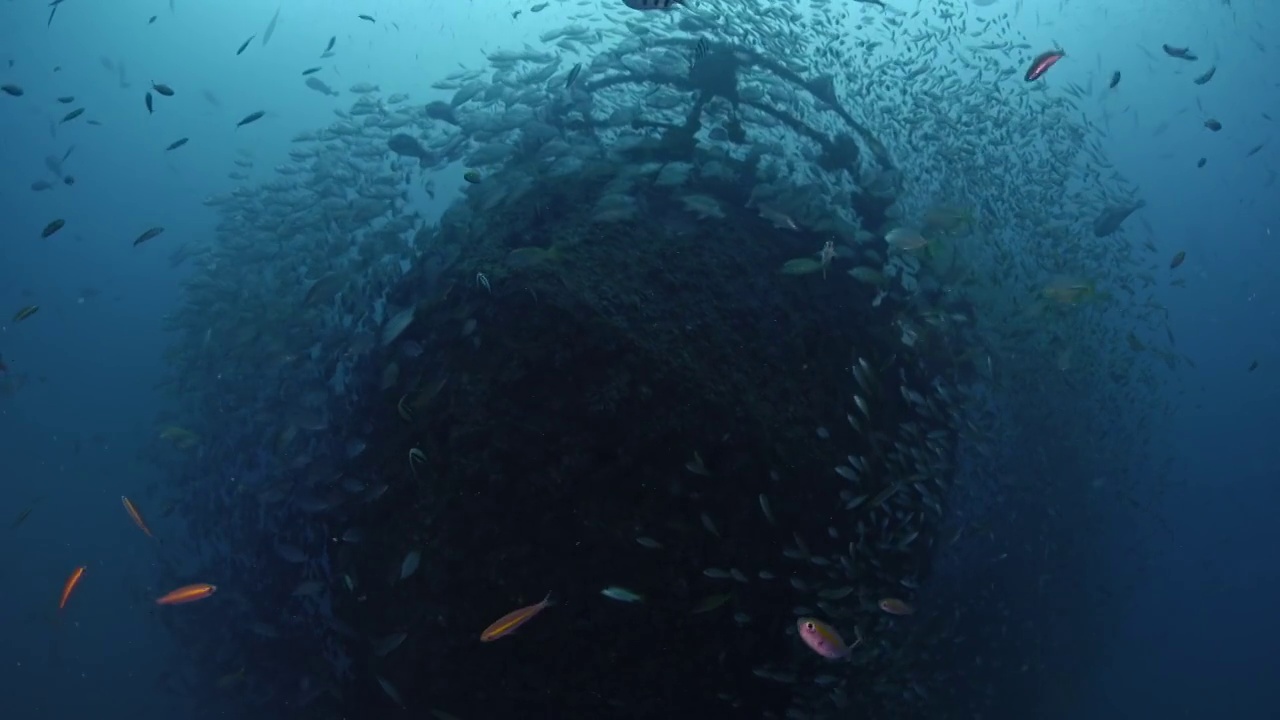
(766, 509)
(383, 647)
(390, 690)
(621, 594)
(710, 525)
(410, 564)
(652, 4)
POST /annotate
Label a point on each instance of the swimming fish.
(652, 4)
(187, 593)
(271, 28)
(621, 594)
(823, 639)
(1180, 53)
(22, 516)
(894, 606)
(133, 513)
(512, 621)
(70, 585)
(573, 75)
(321, 87)
(147, 235)
(905, 239)
(409, 565)
(1041, 64)
(384, 646)
(390, 690)
(1112, 217)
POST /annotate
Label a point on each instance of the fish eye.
(808, 626)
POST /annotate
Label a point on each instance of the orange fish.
(187, 593)
(70, 585)
(894, 606)
(508, 623)
(133, 513)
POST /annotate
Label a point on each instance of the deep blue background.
(1196, 638)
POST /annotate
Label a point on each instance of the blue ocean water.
(87, 384)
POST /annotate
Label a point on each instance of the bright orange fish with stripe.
(187, 593)
(70, 585)
(510, 622)
(133, 513)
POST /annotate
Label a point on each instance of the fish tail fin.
(548, 600)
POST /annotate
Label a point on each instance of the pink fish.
(1042, 63)
(824, 640)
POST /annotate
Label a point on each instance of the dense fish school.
(693, 359)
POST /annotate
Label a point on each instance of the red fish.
(508, 623)
(70, 585)
(1042, 63)
(187, 593)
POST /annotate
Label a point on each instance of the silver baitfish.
(652, 4)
